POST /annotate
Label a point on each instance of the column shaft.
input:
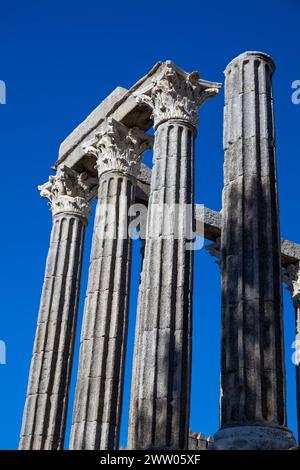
(44, 419)
(161, 397)
(160, 394)
(99, 389)
(252, 353)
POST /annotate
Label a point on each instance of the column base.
(253, 438)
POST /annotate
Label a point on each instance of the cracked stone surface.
(99, 389)
(252, 353)
(160, 393)
(44, 418)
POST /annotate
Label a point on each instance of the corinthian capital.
(178, 95)
(291, 277)
(119, 148)
(69, 191)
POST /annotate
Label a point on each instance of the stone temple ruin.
(102, 158)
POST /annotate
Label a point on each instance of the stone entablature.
(110, 142)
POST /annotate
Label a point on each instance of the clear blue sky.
(59, 60)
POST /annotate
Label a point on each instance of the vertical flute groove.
(160, 394)
(45, 410)
(252, 366)
(99, 389)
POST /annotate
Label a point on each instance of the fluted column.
(99, 388)
(253, 396)
(44, 418)
(160, 397)
(291, 276)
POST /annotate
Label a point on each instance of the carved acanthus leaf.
(119, 148)
(178, 95)
(291, 277)
(69, 191)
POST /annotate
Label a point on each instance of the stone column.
(253, 397)
(291, 276)
(44, 419)
(161, 395)
(99, 388)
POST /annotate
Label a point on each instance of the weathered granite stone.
(121, 105)
(290, 252)
(253, 408)
(99, 388)
(44, 419)
(85, 128)
(253, 438)
(291, 277)
(212, 221)
(159, 405)
(160, 393)
(198, 442)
